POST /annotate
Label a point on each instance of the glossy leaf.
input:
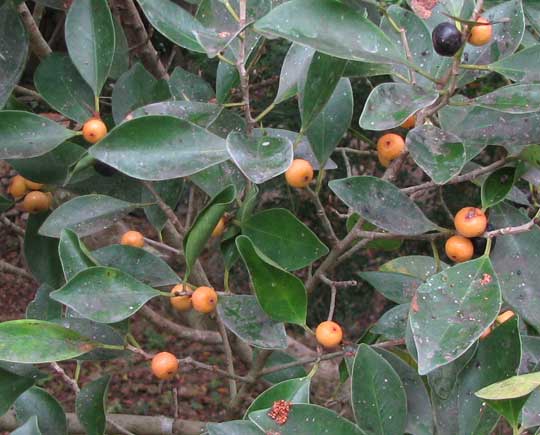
(515, 258)
(20, 140)
(237, 427)
(260, 158)
(50, 415)
(419, 266)
(398, 287)
(85, 215)
(293, 390)
(14, 49)
(520, 66)
(173, 22)
(278, 234)
(29, 428)
(378, 398)
(497, 186)
(52, 167)
(42, 307)
(439, 153)
(243, 315)
(316, 88)
(509, 409)
(62, 87)
(294, 66)
(137, 262)
(302, 418)
(120, 63)
(382, 204)
(89, 31)
(41, 252)
(185, 85)
(390, 104)
(419, 416)
(453, 308)
(37, 341)
(524, 98)
(324, 25)
(201, 230)
(74, 255)
(159, 148)
(511, 388)
(281, 295)
(170, 192)
(11, 387)
(393, 323)
(136, 88)
(507, 35)
(212, 180)
(201, 114)
(90, 406)
(332, 123)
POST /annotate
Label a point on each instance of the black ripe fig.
(447, 39)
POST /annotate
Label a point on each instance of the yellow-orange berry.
(389, 147)
(94, 130)
(507, 315)
(219, 228)
(299, 174)
(32, 185)
(410, 122)
(204, 299)
(459, 249)
(132, 238)
(164, 365)
(481, 35)
(470, 222)
(36, 201)
(17, 187)
(329, 334)
(180, 303)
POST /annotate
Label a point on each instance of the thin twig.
(37, 43)
(228, 357)
(338, 284)
(355, 151)
(28, 92)
(241, 66)
(517, 229)
(163, 246)
(321, 212)
(211, 368)
(13, 226)
(14, 270)
(165, 208)
(70, 381)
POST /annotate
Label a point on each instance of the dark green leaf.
(332, 122)
(317, 87)
(89, 31)
(521, 66)
(52, 167)
(393, 323)
(19, 134)
(74, 255)
(293, 390)
(524, 98)
(439, 153)
(90, 406)
(397, 287)
(11, 387)
(497, 186)
(14, 49)
(515, 258)
(531, 411)
(294, 66)
(260, 158)
(37, 341)
(159, 148)
(378, 397)
(278, 234)
(50, 415)
(307, 419)
(201, 114)
(29, 428)
(63, 88)
(243, 315)
(137, 262)
(237, 427)
(188, 86)
(281, 294)
(173, 22)
(5, 203)
(390, 104)
(201, 230)
(134, 89)
(41, 252)
(42, 307)
(212, 180)
(120, 63)
(85, 215)
(531, 155)
(104, 294)
(366, 69)
(170, 192)
(452, 309)
(383, 204)
(325, 25)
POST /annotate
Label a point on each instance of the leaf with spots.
(37, 402)
(292, 390)
(398, 287)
